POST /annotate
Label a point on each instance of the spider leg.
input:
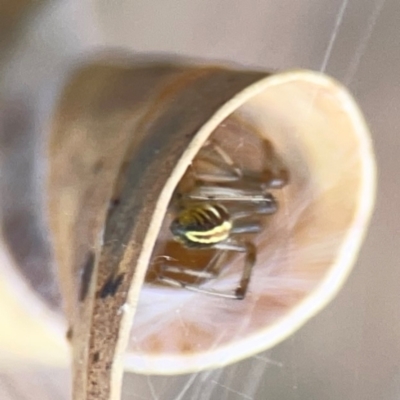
(221, 152)
(241, 290)
(263, 180)
(210, 272)
(250, 260)
(219, 193)
(224, 163)
(274, 175)
(259, 203)
(246, 227)
(268, 205)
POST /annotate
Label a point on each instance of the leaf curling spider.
(218, 208)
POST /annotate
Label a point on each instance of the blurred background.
(349, 351)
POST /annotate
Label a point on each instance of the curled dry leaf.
(122, 140)
(307, 248)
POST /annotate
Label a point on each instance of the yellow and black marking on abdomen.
(202, 225)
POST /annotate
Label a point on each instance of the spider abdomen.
(202, 225)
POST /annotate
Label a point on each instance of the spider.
(216, 212)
